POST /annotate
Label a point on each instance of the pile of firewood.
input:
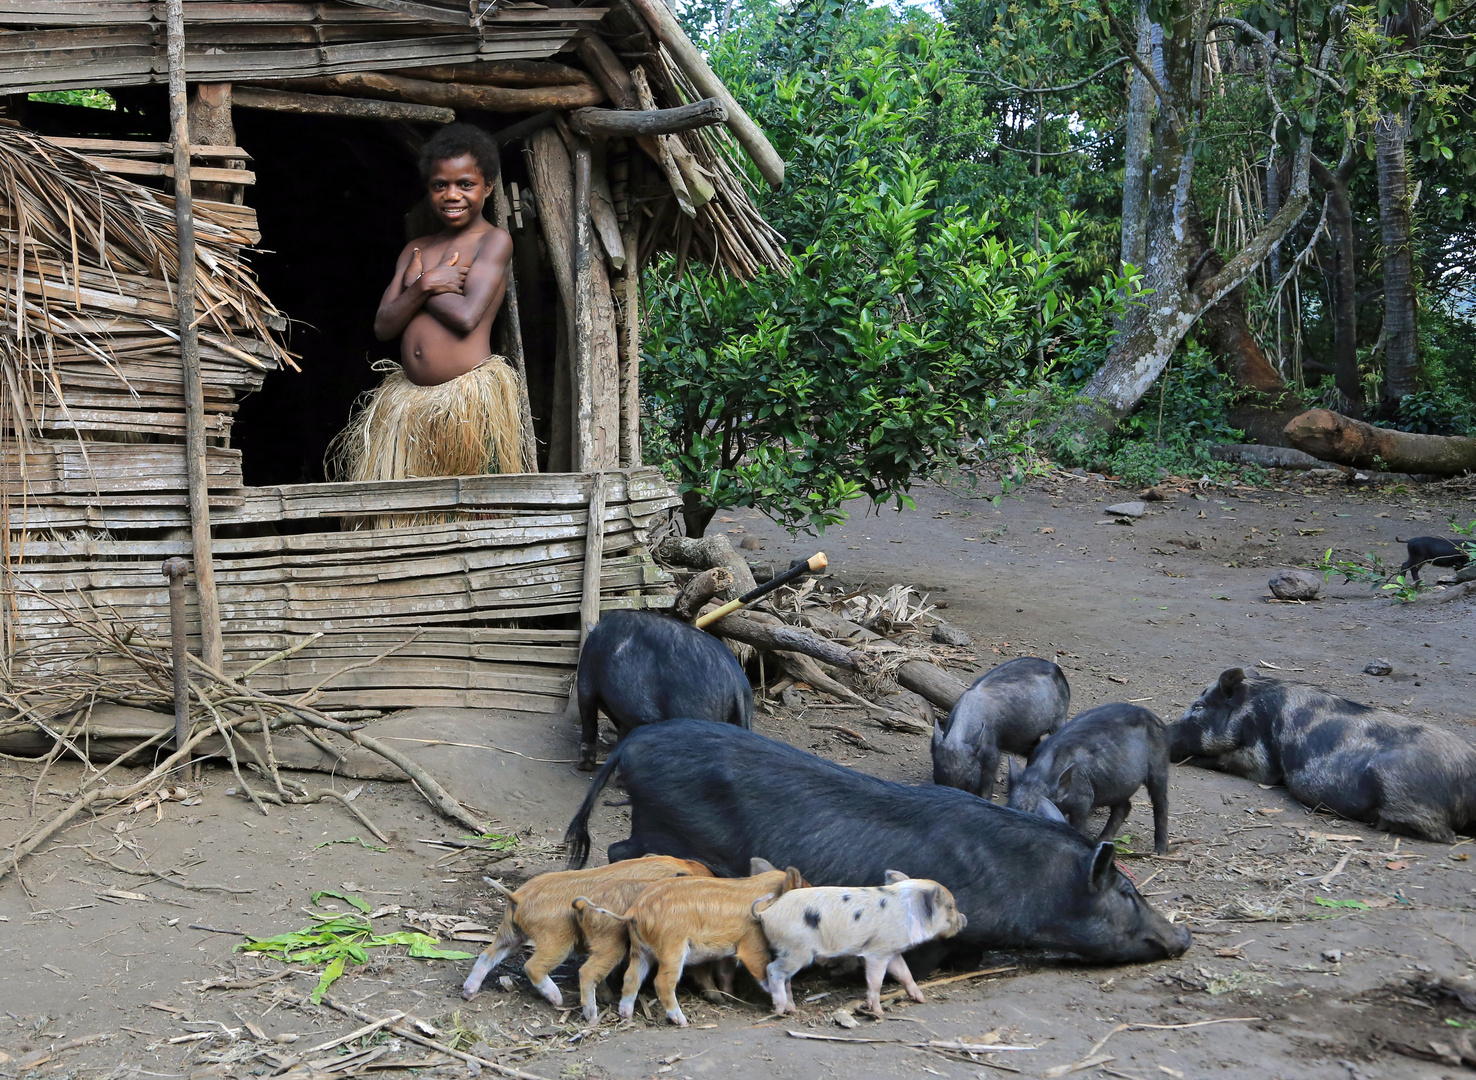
(856, 647)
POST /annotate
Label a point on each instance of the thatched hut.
(304, 123)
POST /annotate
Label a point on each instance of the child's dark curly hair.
(461, 140)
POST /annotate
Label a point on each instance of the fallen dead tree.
(1334, 437)
(127, 669)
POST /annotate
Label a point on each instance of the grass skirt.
(466, 427)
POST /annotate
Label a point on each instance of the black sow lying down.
(1008, 708)
(730, 795)
(1362, 764)
(639, 667)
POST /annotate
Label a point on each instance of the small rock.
(762, 572)
(1157, 493)
(1466, 573)
(1295, 585)
(1133, 509)
(1378, 667)
(751, 543)
(845, 1018)
(1333, 956)
(791, 698)
(506, 982)
(947, 634)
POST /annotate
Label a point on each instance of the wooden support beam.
(509, 73)
(602, 210)
(594, 556)
(458, 95)
(523, 128)
(514, 347)
(660, 147)
(584, 360)
(189, 345)
(690, 60)
(608, 71)
(617, 123)
(549, 171)
(290, 101)
(630, 347)
(210, 122)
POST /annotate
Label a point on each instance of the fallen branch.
(700, 590)
(741, 626)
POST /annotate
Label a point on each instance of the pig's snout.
(1176, 943)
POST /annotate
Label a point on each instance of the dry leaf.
(1399, 865)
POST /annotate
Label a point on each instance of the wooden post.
(630, 349)
(210, 125)
(549, 171)
(175, 570)
(594, 556)
(514, 326)
(211, 650)
(589, 453)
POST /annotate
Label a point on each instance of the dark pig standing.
(1361, 763)
(1020, 880)
(1007, 709)
(641, 667)
(1101, 758)
(1431, 551)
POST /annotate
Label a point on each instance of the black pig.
(1362, 764)
(1007, 709)
(1431, 551)
(730, 795)
(1100, 758)
(641, 667)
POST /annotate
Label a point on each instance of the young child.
(449, 407)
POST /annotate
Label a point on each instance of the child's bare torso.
(431, 352)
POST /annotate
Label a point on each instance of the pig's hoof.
(916, 995)
(677, 1017)
(627, 1011)
(592, 1015)
(713, 996)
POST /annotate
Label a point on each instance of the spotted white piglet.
(875, 924)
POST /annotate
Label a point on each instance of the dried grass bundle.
(469, 426)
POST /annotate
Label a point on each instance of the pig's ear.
(1063, 782)
(757, 866)
(1230, 680)
(1100, 875)
(1051, 812)
(894, 876)
(792, 880)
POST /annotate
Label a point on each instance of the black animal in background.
(730, 795)
(1008, 709)
(1361, 763)
(1431, 551)
(1101, 758)
(642, 667)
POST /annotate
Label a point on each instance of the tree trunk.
(1139, 151)
(1332, 437)
(1401, 334)
(1343, 285)
(1230, 336)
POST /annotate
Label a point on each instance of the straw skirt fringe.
(466, 427)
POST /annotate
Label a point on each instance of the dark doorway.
(333, 198)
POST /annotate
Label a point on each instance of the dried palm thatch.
(90, 260)
(728, 232)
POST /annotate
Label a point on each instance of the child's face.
(458, 191)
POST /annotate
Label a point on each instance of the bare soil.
(1316, 940)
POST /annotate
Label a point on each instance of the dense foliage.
(954, 205)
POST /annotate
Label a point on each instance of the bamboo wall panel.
(464, 590)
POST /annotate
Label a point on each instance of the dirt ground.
(1316, 940)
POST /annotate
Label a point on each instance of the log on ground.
(1334, 437)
